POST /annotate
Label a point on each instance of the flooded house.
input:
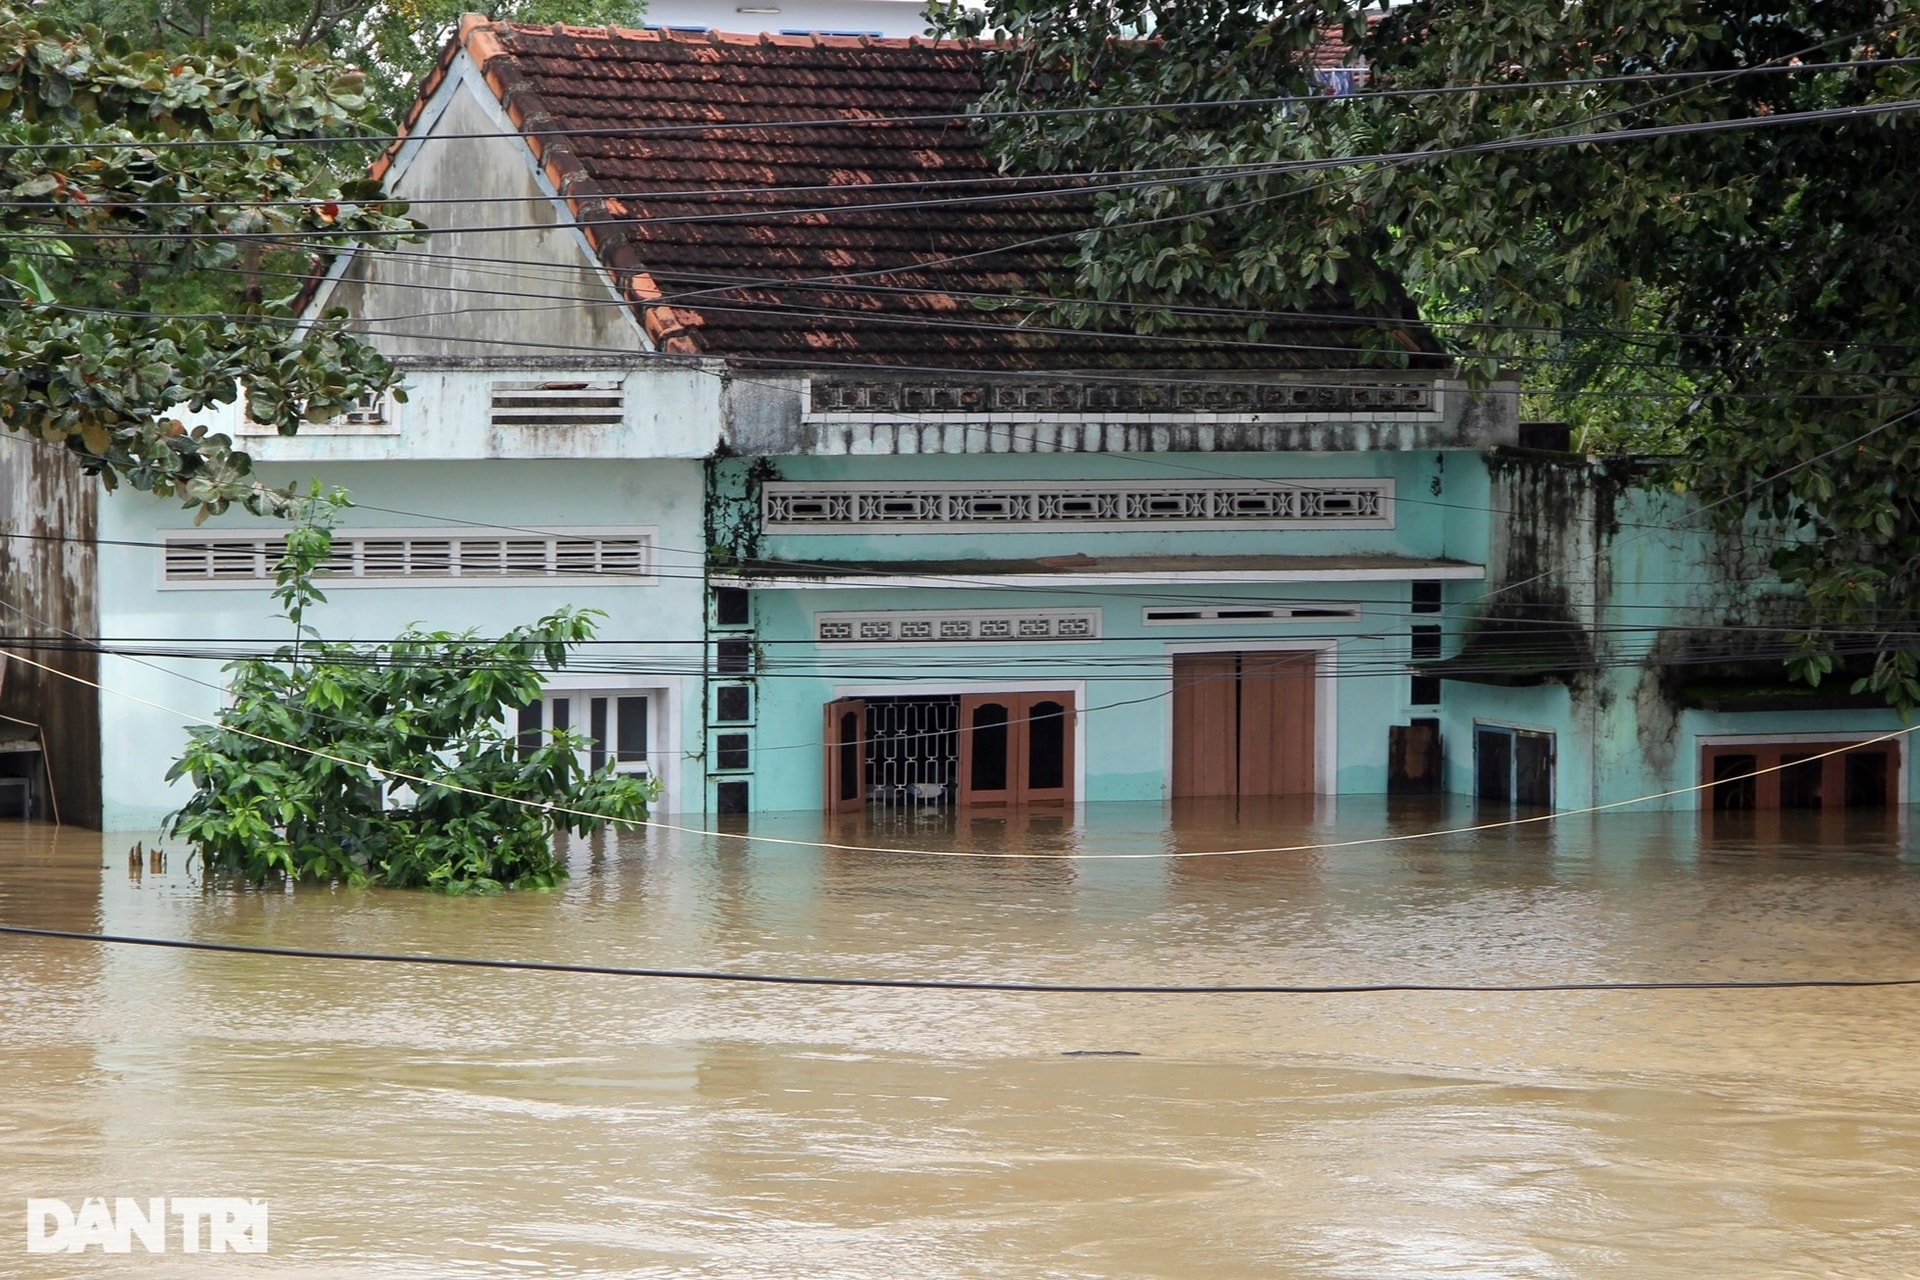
(745, 342)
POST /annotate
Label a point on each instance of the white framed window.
(621, 726)
(458, 556)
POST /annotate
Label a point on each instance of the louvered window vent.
(450, 557)
(558, 404)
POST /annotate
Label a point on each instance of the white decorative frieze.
(956, 626)
(1029, 506)
(861, 398)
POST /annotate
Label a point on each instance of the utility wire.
(964, 116)
(1221, 174)
(391, 775)
(949, 984)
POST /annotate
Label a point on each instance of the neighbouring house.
(1629, 646)
(742, 340)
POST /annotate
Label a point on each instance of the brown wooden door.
(1016, 748)
(845, 736)
(1046, 756)
(1276, 724)
(1206, 724)
(1243, 724)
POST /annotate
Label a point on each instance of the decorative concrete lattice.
(858, 506)
(956, 626)
(835, 397)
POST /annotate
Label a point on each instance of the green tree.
(392, 765)
(1671, 219)
(137, 181)
(394, 41)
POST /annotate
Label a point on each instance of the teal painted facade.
(1121, 682)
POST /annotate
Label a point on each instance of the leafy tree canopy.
(1662, 235)
(134, 179)
(394, 41)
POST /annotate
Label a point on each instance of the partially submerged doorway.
(1513, 766)
(975, 750)
(1244, 723)
(1831, 774)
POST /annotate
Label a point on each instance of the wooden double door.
(1243, 724)
(1012, 749)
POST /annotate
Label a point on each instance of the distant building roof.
(826, 201)
(828, 17)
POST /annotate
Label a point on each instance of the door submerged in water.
(1243, 724)
(1012, 749)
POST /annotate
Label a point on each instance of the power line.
(947, 984)
(1222, 174)
(963, 116)
(391, 775)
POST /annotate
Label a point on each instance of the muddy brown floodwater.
(421, 1122)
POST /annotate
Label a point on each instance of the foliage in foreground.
(392, 765)
(151, 200)
(395, 41)
(1633, 195)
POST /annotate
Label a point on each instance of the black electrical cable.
(1222, 175)
(1771, 67)
(956, 984)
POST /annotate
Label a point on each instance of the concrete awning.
(1082, 570)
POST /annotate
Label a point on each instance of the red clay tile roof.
(759, 238)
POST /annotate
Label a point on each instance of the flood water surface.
(406, 1121)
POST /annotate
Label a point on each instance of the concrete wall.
(502, 272)
(1122, 681)
(670, 410)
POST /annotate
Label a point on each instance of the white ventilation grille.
(558, 404)
(425, 557)
(1178, 616)
(880, 506)
(956, 626)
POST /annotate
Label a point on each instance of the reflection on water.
(431, 1122)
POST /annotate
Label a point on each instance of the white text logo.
(200, 1224)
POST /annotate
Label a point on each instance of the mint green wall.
(1426, 524)
(1124, 679)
